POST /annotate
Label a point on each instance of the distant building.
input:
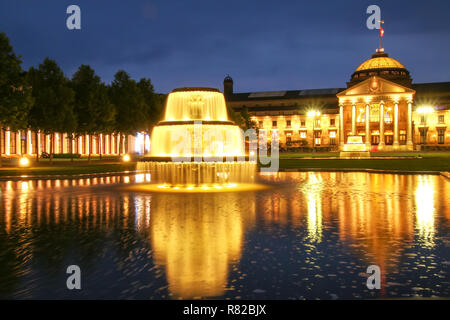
(380, 103)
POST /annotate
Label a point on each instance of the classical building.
(27, 142)
(380, 103)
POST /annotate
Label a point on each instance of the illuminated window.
(375, 114)
(303, 123)
(332, 134)
(441, 119)
(317, 123)
(303, 134)
(441, 136)
(361, 117)
(422, 119)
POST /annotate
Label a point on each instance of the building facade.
(27, 142)
(380, 103)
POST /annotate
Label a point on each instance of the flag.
(381, 31)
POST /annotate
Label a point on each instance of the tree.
(15, 95)
(130, 104)
(53, 107)
(248, 122)
(95, 113)
(235, 117)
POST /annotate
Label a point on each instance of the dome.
(383, 66)
(228, 79)
(382, 62)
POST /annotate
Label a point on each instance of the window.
(402, 136)
(441, 136)
(317, 137)
(333, 138)
(303, 134)
(274, 124)
(288, 123)
(261, 124)
(332, 134)
(332, 122)
(441, 119)
(303, 123)
(423, 135)
(422, 119)
(317, 123)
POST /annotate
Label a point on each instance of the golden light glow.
(425, 110)
(424, 196)
(126, 158)
(24, 162)
(198, 238)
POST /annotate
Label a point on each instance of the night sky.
(262, 45)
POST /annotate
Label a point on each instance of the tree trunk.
(90, 148)
(36, 144)
(120, 143)
(100, 145)
(71, 147)
(1, 153)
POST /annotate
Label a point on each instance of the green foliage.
(53, 106)
(235, 117)
(248, 123)
(137, 106)
(15, 95)
(94, 111)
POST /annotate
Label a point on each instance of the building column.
(368, 125)
(396, 125)
(18, 143)
(354, 119)
(38, 145)
(341, 125)
(382, 125)
(409, 129)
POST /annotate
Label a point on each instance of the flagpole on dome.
(380, 35)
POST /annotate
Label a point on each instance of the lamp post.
(313, 114)
(425, 111)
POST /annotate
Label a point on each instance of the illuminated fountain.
(196, 145)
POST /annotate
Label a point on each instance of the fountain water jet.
(196, 145)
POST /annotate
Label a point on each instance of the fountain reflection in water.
(196, 145)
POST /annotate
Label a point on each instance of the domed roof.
(228, 79)
(381, 65)
(380, 62)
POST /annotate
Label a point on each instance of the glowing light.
(126, 158)
(425, 110)
(24, 162)
(313, 113)
(424, 196)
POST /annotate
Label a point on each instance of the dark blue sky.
(263, 45)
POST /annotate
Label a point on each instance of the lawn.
(413, 164)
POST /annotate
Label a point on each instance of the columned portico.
(368, 141)
(354, 119)
(396, 138)
(341, 125)
(383, 103)
(409, 141)
(381, 144)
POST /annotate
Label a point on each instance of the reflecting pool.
(312, 236)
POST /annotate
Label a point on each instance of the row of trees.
(44, 100)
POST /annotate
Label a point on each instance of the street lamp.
(313, 114)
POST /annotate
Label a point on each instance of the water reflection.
(197, 238)
(335, 223)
